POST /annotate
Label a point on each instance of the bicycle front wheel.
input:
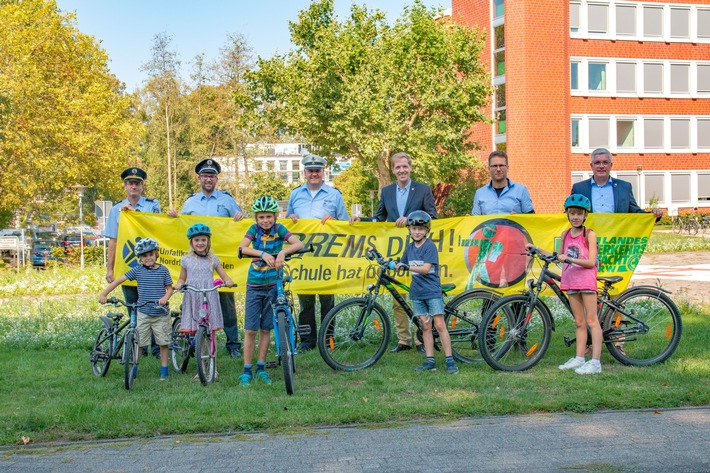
(286, 351)
(693, 227)
(100, 355)
(514, 335)
(179, 347)
(676, 226)
(646, 328)
(463, 317)
(204, 357)
(352, 336)
(131, 354)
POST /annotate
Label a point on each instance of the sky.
(126, 28)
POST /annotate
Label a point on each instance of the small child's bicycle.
(205, 347)
(110, 340)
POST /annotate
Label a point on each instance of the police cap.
(134, 174)
(313, 161)
(208, 165)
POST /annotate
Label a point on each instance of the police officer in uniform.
(314, 200)
(210, 202)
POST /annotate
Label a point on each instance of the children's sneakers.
(589, 368)
(264, 376)
(572, 363)
(426, 366)
(245, 379)
(451, 367)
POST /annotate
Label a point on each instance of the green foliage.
(356, 183)
(364, 89)
(459, 201)
(666, 242)
(263, 183)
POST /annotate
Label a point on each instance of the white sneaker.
(572, 363)
(589, 368)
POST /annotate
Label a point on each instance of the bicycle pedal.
(272, 364)
(568, 341)
(304, 329)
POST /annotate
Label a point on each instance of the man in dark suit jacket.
(607, 194)
(396, 202)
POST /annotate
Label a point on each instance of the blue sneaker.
(426, 366)
(264, 376)
(451, 367)
(245, 379)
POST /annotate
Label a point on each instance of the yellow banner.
(482, 252)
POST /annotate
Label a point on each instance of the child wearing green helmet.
(263, 241)
(578, 256)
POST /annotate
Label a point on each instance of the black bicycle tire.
(693, 227)
(286, 351)
(676, 226)
(624, 350)
(333, 327)
(100, 356)
(131, 354)
(203, 358)
(464, 339)
(179, 357)
(491, 327)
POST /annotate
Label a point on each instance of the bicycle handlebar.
(116, 302)
(535, 253)
(307, 249)
(187, 287)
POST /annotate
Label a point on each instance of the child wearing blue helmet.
(578, 256)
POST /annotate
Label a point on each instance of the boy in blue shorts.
(422, 260)
(154, 284)
(263, 240)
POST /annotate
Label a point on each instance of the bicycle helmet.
(265, 204)
(419, 218)
(578, 200)
(198, 229)
(145, 245)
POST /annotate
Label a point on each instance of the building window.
(296, 165)
(653, 78)
(633, 179)
(625, 77)
(654, 187)
(574, 75)
(574, 17)
(704, 134)
(500, 122)
(704, 78)
(626, 20)
(625, 134)
(680, 187)
(703, 187)
(703, 23)
(597, 18)
(498, 8)
(653, 133)
(499, 59)
(499, 34)
(283, 165)
(680, 78)
(597, 76)
(680, 134)
(652, 21)
(500, 96)
(575, 132)
(598, 132)
(680, 23)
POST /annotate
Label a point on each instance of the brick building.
(573, 75)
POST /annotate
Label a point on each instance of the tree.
(364, 89)
(64, 118)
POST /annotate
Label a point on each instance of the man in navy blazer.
(608, 195)
(396, 202)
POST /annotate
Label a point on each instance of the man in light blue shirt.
(501, 195)
(314, 200)
(210, 202)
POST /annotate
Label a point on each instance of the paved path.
(683, 272)
(674, 440)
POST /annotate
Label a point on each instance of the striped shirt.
(151, 287)
(271, 242)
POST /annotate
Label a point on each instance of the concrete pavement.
(673, 440)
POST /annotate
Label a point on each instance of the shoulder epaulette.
(150, 200)
(225, 192)
(337, 190)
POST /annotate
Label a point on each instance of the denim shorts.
(258, 311)
(428, 306)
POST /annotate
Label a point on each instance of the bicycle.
(205, 347)
(112, 343)
(686, 223)
(285, 327)
(641, 326)
(181, 347)
(356, 332)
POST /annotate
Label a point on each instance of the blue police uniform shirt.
(144, 205)
(218, 204)
(603, 197)
(327, 200)
(513, 198)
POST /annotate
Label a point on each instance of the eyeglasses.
(208, 176)
(601, 163)
(314, 171)
(498, 166)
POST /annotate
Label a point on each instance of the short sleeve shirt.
(144, 205)
(424, 286)
(260, 273)
(327, 200)
(151, 287)
(218, 204)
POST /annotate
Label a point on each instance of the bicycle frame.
(282, 303)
